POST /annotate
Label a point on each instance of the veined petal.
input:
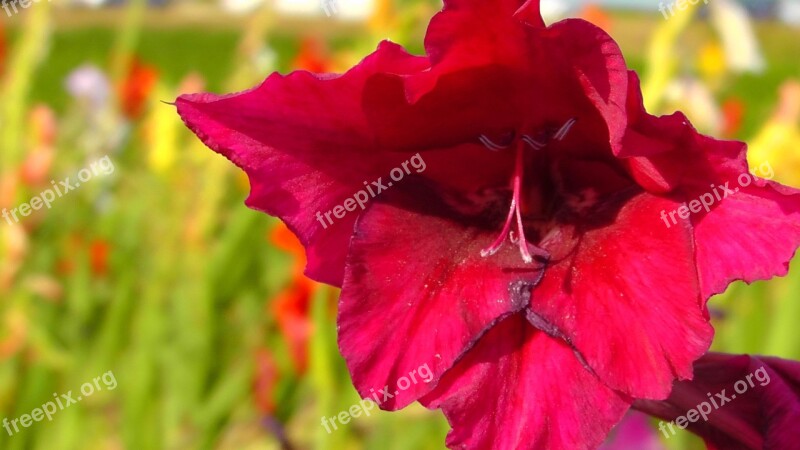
(521, 389)
(762, 223)
(666, 155)
(624, 292)
(545, 77)
(479, 32)
(413, 263)
(596, 62)
(679, 162)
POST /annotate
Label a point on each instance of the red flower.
(531, 134)
(291, 306)
(733, 112)
(312, 56)
(136, 88)
(99, 251)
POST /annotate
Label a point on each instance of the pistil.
(526, 249)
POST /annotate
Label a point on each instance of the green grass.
(176, 53)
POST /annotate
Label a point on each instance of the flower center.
(514, 217)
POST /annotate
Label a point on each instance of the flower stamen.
(562, 132)
(535, 144)
(526, 249)
(491, 145)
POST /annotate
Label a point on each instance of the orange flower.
(291, 307)
(312, 57)
(136, 88)
(733, 115)
(282, 238)
(594, 14)
(36, 166)
(98, 252)
(98, 257)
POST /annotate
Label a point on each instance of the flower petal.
(407, 114)
(415, 264)
(596, 61)
(625, 294)
(667, 155)
(754, 402)
(675, 159)
(541, 78)
(290, 135)
(479, 32)
(750, 235)
(519, 388)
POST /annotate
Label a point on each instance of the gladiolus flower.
(529, 266)
(36, 167)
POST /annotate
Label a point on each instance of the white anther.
(491, 145)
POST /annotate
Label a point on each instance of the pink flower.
(529, 266)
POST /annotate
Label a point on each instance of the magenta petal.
(554, 74)
(519, 388)
(761, 409)
(461, 106)
(768, 219)
(634, 433)
(290, 135)
(478, 32)
(596, 61)
(630, 307)
(666, 155)
(648, 135)
(417, 292)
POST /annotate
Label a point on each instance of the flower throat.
(514, 217)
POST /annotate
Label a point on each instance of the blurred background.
(153, 271)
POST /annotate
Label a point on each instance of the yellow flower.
(778, 142)
(161, 133)
(711, 63)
